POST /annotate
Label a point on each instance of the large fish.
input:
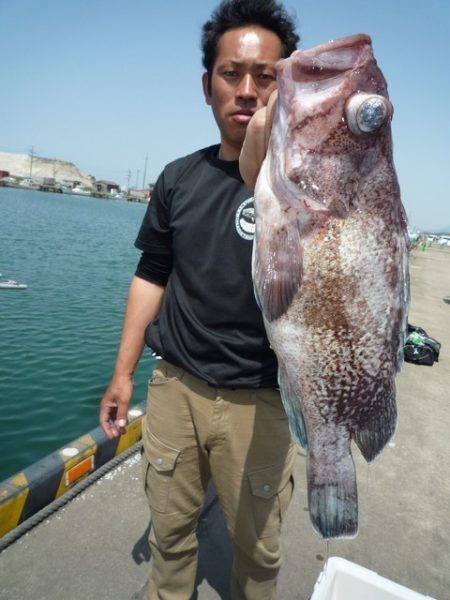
(330, 266)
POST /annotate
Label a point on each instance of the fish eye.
(367, 113)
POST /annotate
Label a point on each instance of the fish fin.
(277, 268)
(333, 498)
(377, 427)
(255, 291)
(292, 408)
(258, 301)
(406, 296)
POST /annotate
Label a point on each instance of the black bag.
(420, 348)
(419, 353)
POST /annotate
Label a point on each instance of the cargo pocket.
(271, 495)
(160, 461)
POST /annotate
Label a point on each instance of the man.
(214, 410)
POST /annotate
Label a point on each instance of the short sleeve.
(155, 238)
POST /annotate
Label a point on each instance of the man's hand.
(256, 142)
(114, 406)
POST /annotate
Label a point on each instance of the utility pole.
(31, 155)
(128, 180)
(145, 172)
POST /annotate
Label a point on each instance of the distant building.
(139, 195)
(69, 183)
(106, 188)
(44, 180)
(4, 174)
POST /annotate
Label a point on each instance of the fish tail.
(377, 426)
(333, 498)
(292, 409)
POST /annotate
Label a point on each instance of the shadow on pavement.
(214, 553)
(141, 551)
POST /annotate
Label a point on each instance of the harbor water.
(59, 337)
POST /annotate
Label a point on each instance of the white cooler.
(345, 580)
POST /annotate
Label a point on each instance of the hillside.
(19, 165)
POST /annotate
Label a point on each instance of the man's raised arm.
(256, 142)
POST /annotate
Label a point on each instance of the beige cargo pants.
(240, 438)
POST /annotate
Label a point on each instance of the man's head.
(241, 44)
(231, 14)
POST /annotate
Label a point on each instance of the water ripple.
(59, 337)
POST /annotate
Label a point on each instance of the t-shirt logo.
(245, 219)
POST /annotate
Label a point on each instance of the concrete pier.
(95, 547)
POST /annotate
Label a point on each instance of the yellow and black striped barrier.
(30, 490)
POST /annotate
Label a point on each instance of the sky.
(114, 86)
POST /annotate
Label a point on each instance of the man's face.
(242, 80)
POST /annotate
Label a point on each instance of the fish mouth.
(329, 60)
(351, 41)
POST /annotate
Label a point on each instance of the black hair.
(231, 14)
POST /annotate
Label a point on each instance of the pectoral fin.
(292, 408)
(277, 268)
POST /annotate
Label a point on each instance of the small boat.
(12, 285)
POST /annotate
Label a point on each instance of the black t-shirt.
(196, 239)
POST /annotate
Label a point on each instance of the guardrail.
(28, 491)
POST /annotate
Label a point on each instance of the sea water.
(59, 337)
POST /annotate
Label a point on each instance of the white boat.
(75, 191)
(12, 285)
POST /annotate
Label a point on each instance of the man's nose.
(247, 88)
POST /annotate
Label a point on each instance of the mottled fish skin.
(330, 266)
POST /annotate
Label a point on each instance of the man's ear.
(205, 84)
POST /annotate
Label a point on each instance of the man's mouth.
(242, 117)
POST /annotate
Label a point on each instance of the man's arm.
(256, 141)
(143, 305)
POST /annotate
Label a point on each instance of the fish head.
(332, 122)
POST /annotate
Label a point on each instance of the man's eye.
(230, 74)
(267, 76)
